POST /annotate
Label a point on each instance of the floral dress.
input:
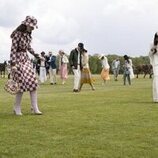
(24, 75)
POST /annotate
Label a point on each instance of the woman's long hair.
(126, 58)
(21, 28)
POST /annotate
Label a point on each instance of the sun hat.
(30, 21)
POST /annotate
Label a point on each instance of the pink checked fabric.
(24, 76)
(30, 21)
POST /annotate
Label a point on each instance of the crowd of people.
(48, 65)
(24, 70)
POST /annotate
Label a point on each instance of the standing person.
(53, 68)
(63, 61)
(43, 76)
(105, 68)
(8, 69)
(116, 68)
(21, 68)
(127, 71)
(37, 61)
(130, 65)
(47, 63)
(153, 56)
(75, 61)
(48, 57)
(86, 76)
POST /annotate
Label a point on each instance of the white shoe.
(36, 112)
(18, 113)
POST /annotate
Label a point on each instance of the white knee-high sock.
(33, 96)
(17, 106)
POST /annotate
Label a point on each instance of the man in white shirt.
(116, 68)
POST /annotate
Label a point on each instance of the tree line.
(95, 63)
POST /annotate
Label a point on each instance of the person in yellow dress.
(86, 76)
(105, 68)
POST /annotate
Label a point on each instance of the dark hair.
(126, 58)
(102, 57)
(21, 28)
(155, 39)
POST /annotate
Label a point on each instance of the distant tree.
(95, 63)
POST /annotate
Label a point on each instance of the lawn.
(114, 121)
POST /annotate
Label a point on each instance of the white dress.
(131, 69)
(42, 76)
(154, 62)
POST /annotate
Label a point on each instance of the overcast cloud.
(104, 26)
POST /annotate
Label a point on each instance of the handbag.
(11, 86)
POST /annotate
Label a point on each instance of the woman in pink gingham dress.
(21, 67)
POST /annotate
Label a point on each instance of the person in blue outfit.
(52, 69)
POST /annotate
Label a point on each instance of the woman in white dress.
(153, 55)
(42, 76)
(130, 66)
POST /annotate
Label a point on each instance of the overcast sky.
(104, 26)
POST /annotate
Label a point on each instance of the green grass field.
(114, 121)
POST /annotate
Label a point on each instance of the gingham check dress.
(24, 75)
